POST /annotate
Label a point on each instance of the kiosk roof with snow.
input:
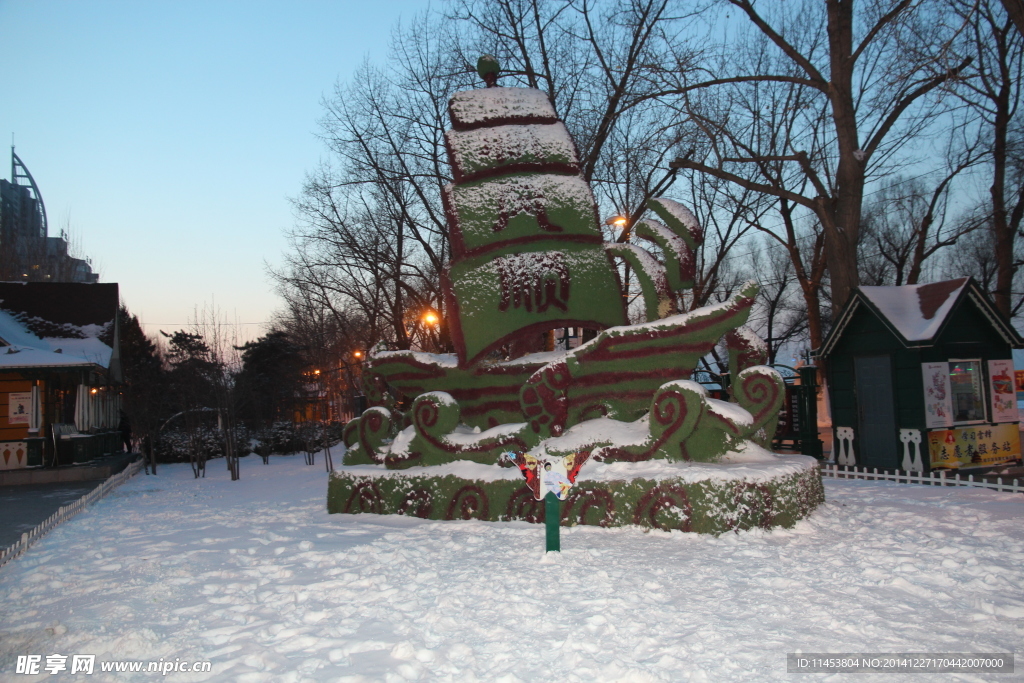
(920, 377)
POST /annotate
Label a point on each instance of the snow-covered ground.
(256, 577)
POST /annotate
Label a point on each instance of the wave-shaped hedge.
(709, 506)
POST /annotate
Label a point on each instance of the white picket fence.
(933, 478)
(66, 512)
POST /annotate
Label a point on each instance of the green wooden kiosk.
(921, 377)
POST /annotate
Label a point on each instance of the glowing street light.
(622, 223)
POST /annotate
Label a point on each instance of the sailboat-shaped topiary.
(527, 257)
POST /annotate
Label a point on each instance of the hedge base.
(713, 505)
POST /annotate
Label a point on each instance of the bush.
(175, 445)
(288, 437)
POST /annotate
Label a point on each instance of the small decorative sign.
(544, 476)
(19, 404)
(550, 481)
(1004, 397)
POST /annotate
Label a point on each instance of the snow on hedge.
(477, 107)
(489, 149)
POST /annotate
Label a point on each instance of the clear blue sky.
(169, 135)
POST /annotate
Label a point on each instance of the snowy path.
(255, 576)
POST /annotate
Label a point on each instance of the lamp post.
(428, 319)
(355, 382)
(623, 224)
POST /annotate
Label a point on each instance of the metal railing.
(932, 478)
(66, 512)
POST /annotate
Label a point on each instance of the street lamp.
(622, 223)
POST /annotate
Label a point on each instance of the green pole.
(552, 516)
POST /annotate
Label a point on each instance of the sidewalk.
(29, 496)
(28, 505)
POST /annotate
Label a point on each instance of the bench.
(64, 430)
(71, 452)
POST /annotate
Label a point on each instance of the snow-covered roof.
(26, 350)
(916, 311)
(44, 325)
(916, 314)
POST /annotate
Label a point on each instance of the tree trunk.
(841, 216)
(1015, 8)
(1002, 234)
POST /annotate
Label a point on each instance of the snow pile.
(749, 463)
(599, 430)
(441, 360)
(256, 577)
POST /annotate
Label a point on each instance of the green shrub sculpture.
(527, 257)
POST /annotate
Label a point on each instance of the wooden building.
(59, 371)
(920, 377)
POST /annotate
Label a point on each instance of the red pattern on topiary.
(659, 498)
(469, 502)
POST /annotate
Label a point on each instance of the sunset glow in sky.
(167, 137)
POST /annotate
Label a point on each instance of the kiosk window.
(966, 386)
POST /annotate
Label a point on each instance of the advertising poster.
(1019, 376)
(938, 401)
(979, 446)
(1004, 396)
(19, 405)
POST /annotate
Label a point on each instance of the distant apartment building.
(27, 252)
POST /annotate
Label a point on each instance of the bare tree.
(371, 236)
(1015, 10)
(221, 341)
(993, 90)
(779, 316)
(907, 222)
(333, 339)
(863, 76)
